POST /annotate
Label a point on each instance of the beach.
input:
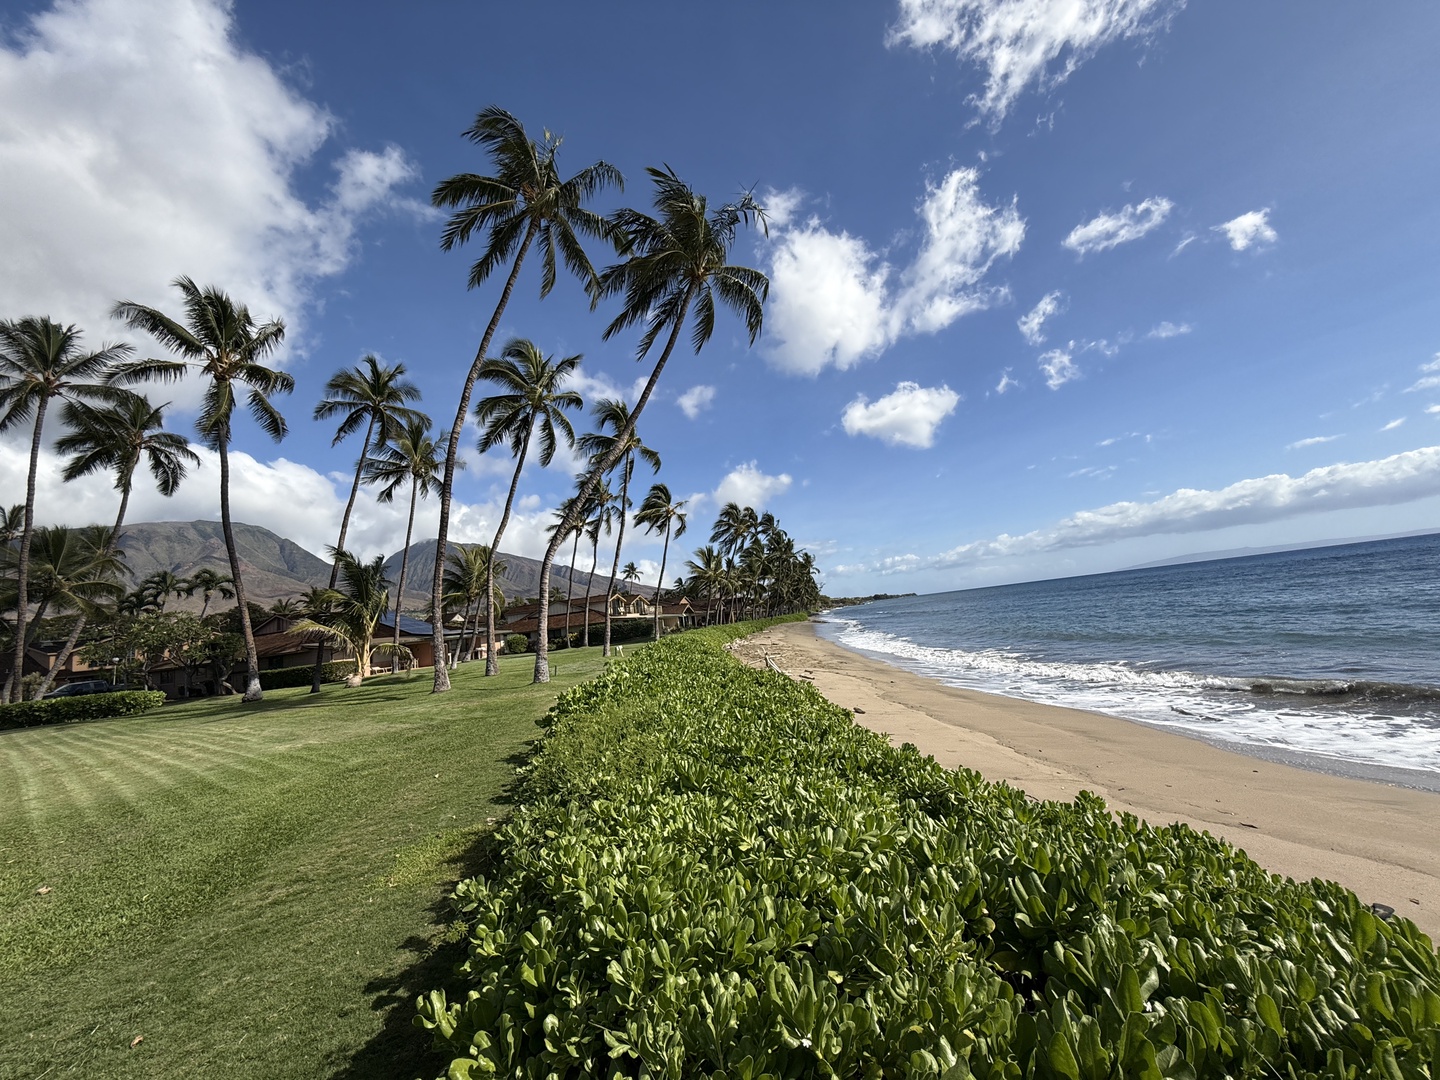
(1379, 840)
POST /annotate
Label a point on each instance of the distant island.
(851, 601)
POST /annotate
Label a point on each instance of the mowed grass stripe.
(248, 888)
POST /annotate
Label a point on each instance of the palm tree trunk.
(492, 660)
(570, 591)
(252, 661)
(437, 587)
(620, 539)
(79, 628)
(400, 585)
(660, 585)
(349, 506)
(22, 596)
(589, 584)
(542, 653)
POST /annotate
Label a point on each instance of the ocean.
(1328, 658)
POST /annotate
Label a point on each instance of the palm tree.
(735, 528)
(412, 455)
(525, 202)
(660, 513)
(73, 571)
(12, 523)
(531, 399)
(221, 341)
(370, 396)
(612, 420)
(564, 518)
(677, 261)
(117, 436)
(207, 583)
(630, 574)
(603, 510)
(317, 605)
(287, 607)
(361, 605)
(469, 578)
(707, 571)
(40, 362)
(162, 585)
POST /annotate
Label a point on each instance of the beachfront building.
(631, 617)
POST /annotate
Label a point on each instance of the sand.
(1381, 841)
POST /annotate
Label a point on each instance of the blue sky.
(1057, 287)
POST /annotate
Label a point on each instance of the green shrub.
(67, 710)
(713, 871)
(281, 678)
(516, 643)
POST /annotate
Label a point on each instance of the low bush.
(516, 643)
(281, 678)
(68, 710)
(713, 871)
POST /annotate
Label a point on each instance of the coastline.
(1377, 839)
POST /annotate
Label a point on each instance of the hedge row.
(281, 678)
(67, 710)
(715, 872)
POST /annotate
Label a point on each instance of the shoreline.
(1376, 839)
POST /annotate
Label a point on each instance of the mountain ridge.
(275, 567)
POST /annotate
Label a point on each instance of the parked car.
(76, 689)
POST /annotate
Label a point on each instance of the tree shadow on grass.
(400, 1050)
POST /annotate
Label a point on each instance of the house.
(631, 610)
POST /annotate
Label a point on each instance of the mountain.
(521, 576)
(275, 568)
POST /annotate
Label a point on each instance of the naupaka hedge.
(713, 871)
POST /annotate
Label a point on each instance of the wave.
(1393, 725)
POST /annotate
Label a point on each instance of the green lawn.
(255, 890)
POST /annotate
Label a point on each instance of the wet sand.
(1379, 840)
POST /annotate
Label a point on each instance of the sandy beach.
(1379, 840)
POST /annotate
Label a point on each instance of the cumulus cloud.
(696, 400)
(1429, 376)
(781, 206)
(834, 300)
(1032, 324)
(1248, 229)
(907, 417)
(1023, 42)
(1169, 329)
(1058, 366)
(1110, 230)
(140, 141)
(1005, 383)
(1314, 440)
(1432, 409)
(749, 486)
(1400, 478)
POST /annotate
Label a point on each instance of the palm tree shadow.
(400, 1050)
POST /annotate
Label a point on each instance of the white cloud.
(1024, 42)
(1400, 478)
(1005, 383)
(1110, 230)
(1430, 376)
(1059, 368)
(1032, 325)
(834, 300)
(1248, 229)
(696, 400)
(286, 497)
(1432, 409)
(1169, 329)
(907, 417)
(141, 141)
(748, 486)
(781, 206)
(1393, 424)
(1314, 440)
